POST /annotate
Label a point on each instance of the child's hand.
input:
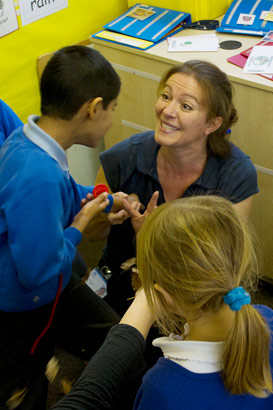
(90, 209)
(88, 198)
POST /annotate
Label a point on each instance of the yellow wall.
(199, 9)
(20, 49)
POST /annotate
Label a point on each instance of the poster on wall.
(8, 18)
(32, 10)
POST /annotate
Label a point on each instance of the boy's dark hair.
(74, 75)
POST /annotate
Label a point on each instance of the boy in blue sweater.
(43, 213)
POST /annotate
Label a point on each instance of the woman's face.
(181, 118)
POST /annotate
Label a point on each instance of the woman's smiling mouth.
(168, 127)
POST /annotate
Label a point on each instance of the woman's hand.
(117, 218)
(133, 209)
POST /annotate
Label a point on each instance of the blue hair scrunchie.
(236, 298)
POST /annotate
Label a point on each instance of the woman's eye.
(186, 107)
(164, 96)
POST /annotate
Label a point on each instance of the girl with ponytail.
(197, 264)
(198, 268)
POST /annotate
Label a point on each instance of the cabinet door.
(253, 133)
(262, 219)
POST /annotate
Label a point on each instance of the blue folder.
(238, 9)
(153, 29)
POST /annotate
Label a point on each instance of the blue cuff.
(109, 207)
(73, 235)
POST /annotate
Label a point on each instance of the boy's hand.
(88, 198)
(90, 209)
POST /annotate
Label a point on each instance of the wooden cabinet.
(140, 72)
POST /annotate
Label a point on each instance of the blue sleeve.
(41, 244)
(9, 121)
(84, 190)
(239, 179)
(80, 192)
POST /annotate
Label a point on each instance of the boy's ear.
(95, 107)
(166, 295)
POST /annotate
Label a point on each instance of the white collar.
(198, 357)
(39, 137)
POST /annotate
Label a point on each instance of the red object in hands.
(99, 189)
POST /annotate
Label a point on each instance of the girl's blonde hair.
(198, 249)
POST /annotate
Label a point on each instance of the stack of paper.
(258, 59)
(206, 42)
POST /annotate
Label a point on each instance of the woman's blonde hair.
(198, 249)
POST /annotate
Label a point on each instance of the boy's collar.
(43, 140)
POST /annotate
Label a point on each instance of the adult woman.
(187, 154)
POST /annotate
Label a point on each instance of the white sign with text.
(8, 18)
(32, 10)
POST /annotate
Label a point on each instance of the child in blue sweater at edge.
(197, 264)
(43, 214)
(9, 121)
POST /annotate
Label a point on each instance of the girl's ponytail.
(245, 368)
